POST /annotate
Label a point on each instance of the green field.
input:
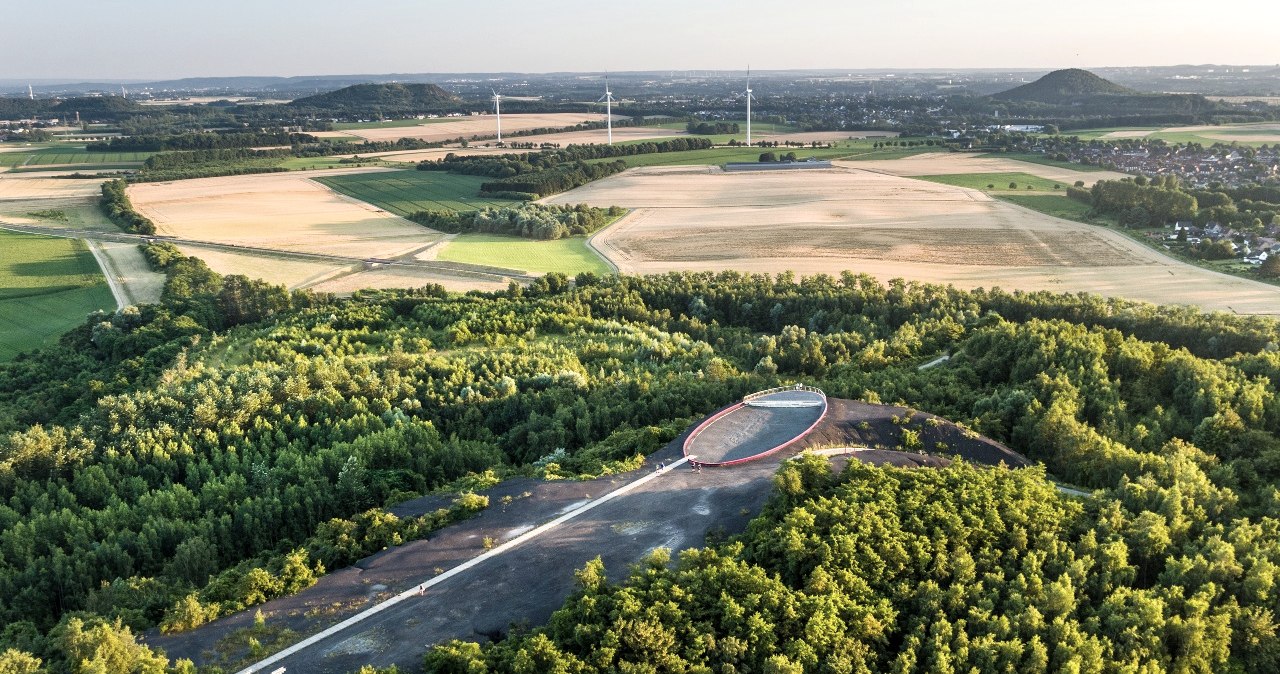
(69, 155)
(568, 256)
(997, 182)
(47, 286)
(1055, 205)
(307, 163)
(405, 192)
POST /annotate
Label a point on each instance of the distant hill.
(1064, 87)
(387, 99)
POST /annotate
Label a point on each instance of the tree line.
(219, 140)
(115, 203)
(532, 221)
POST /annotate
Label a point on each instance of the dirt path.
(113, 280)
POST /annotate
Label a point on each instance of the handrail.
(782, 389)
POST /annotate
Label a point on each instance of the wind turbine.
(749, 97)
(497, 109)
(31, 93)
(608, 107)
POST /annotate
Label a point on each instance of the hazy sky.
(182, 38)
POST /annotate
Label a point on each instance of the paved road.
(433, 266)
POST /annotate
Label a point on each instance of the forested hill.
(1078, 93)
(1063, 87)
(166, 464)
(387, 99)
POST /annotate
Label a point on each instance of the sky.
(161, 39)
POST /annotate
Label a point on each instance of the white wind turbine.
(497, 109)
(608, 107)
(749, 97)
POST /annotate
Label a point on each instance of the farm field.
(851, 150)
(32, 188)
(55, 156)
(466, 127)
(997, 182)
(397, 277)
(408, 191)
(955, 163)
(568, 256)
(1042, 160)
(47, 286)
(281, 211)
(1254, 134)
(888, 226)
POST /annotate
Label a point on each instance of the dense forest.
(167, 463)
(1155, 202)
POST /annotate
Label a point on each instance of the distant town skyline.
(152, 40)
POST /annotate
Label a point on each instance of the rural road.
(446, 268)
(109, 271)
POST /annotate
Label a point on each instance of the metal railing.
(783, 389)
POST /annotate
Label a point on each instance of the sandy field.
(945, 163)
(415, 156)
(290, 272)
(399, 277)
(1126, 134)
(281, 211)
(700, 218)
(18, 186)
(465, 127)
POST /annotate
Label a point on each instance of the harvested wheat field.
(466, 127)
(19, 186)
(1131, 133)
(398, 277)
(828, 221)
(416, 156)
(292, 273)
(280, 211)
(948, 163)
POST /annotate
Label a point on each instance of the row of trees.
(711, 128)
(200, 141)
(115, 203)
(532, 221)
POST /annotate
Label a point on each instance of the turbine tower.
(608, 107)
(749, 97)
(497, 109)
(31, 93)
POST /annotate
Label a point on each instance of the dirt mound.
(853, 423)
